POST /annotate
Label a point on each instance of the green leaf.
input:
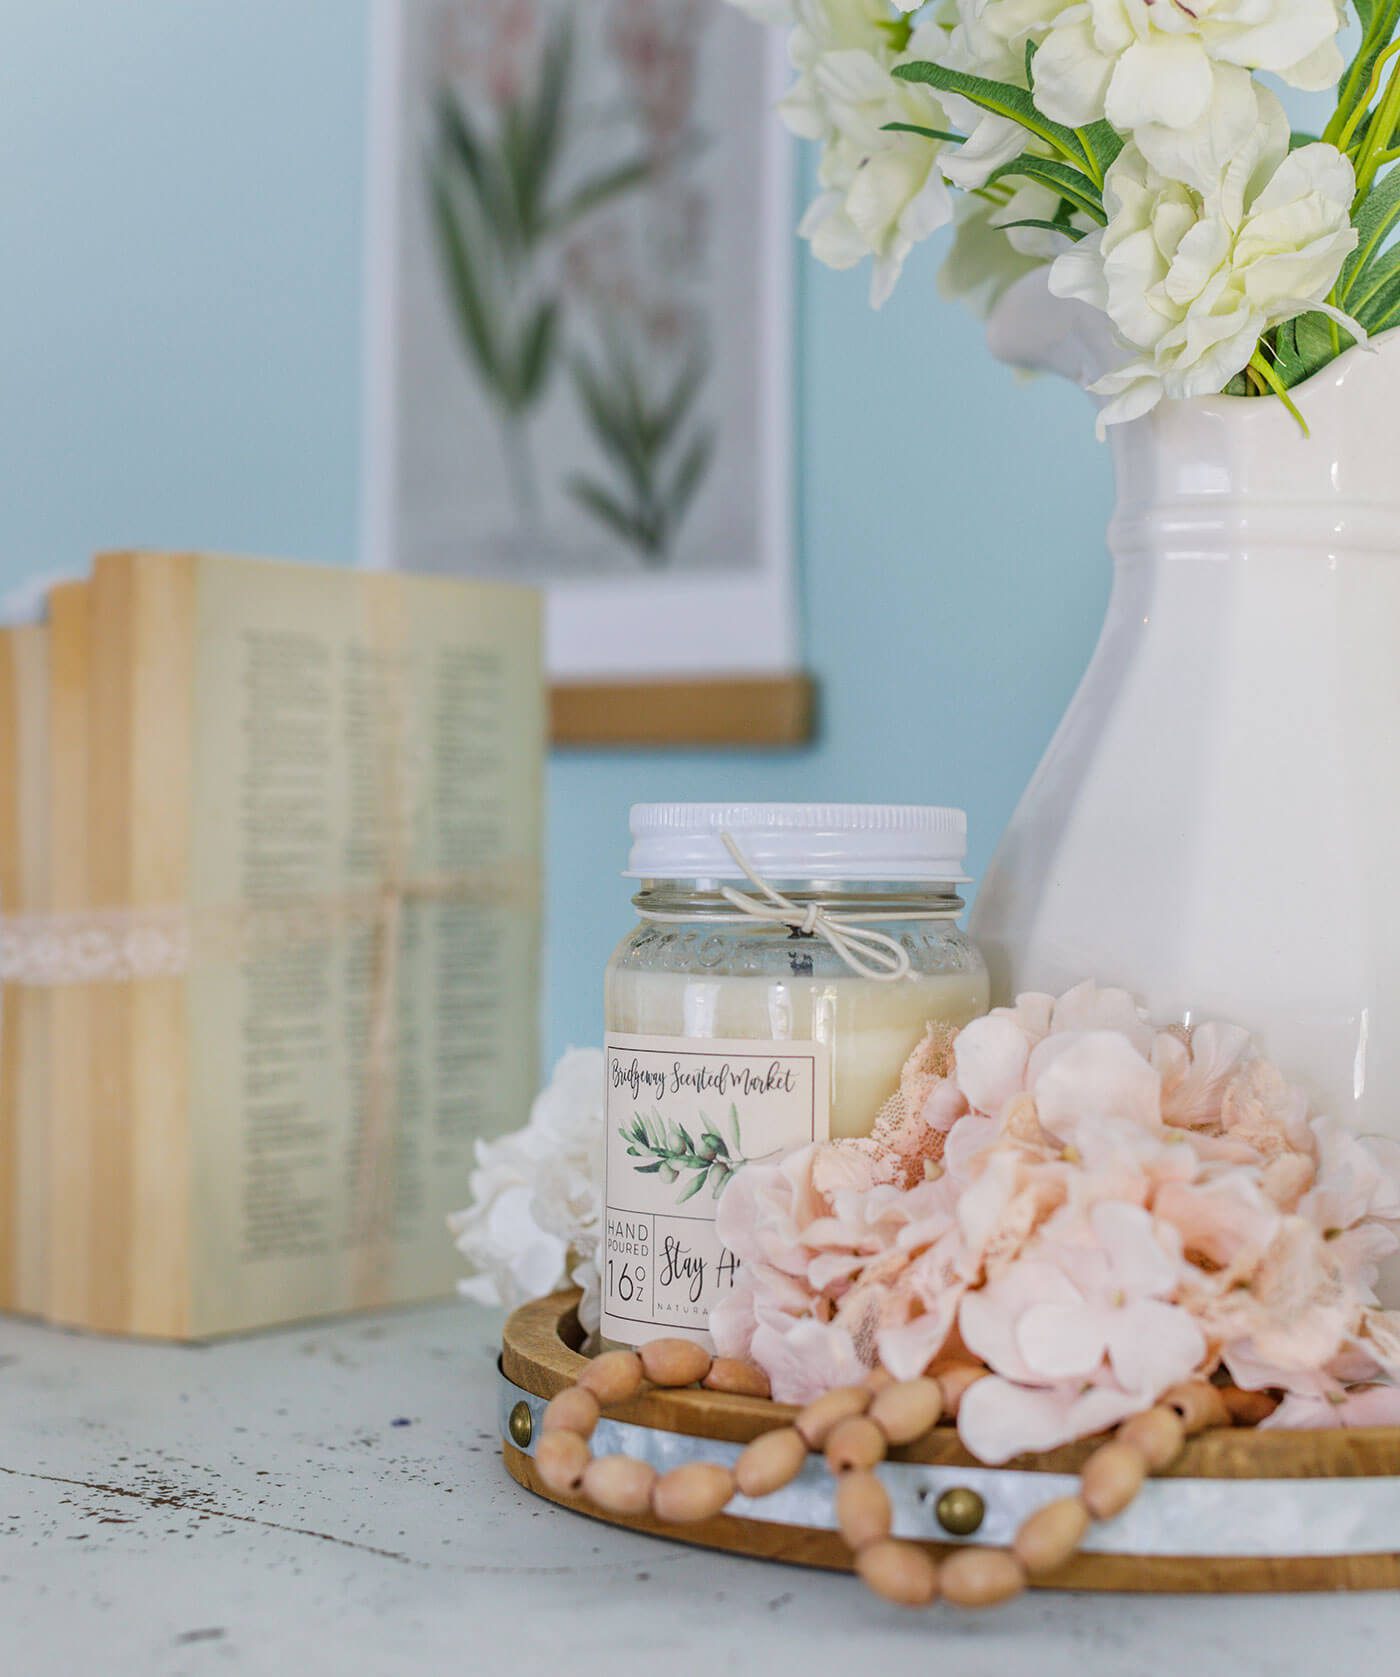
(472, 312)
(664, 422)
(1304, 346)
(1001, 98)
(1375, 221)
(533, 131)
(1076, 188)
(733, 1122)
(597, 500)
(608, 409)
(686, 1140)
(918, 128)
(649, 1170)
(1365, 300)
(1298, 139)
(693, 1189)
(1073, 233)
(596, 192)
(1100, 142)
(475, 164)
(1383, 307)
(537, 353)
(689, 474)
(719, 1176)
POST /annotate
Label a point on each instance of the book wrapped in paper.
(302, 978)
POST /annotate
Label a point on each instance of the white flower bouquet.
(1130, 148)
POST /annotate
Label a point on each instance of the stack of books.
(269, 926)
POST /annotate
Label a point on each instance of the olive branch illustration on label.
(673, 1153)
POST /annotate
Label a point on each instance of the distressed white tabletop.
(331, 1500)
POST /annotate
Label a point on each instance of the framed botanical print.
(580, 325)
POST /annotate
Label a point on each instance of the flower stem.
(1382, 27)
(1381, 132)
(1363, 104)
(1261, 367)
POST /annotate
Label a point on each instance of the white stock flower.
(535, 1218)
(1141, 61)
(882, 193)
(1213, 236)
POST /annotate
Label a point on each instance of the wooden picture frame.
(756, 711)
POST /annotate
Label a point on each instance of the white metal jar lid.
(843, 843)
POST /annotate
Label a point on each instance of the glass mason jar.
(749, 1015)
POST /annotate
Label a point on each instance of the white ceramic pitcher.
(1216, 824)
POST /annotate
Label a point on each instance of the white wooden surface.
(331, 1500)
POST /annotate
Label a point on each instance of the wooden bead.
(573, 1410)
(1198, 1404)
(773, 1460)
(981, 1577)
(728, 1374)
(955, 1380)
(878, 1379)
(899, 1572)
(560, 1460)
(907, 1409)
(1158, 1433)
(1247, 1409)
(862, 1510)
(675, 1362)
(619, 1484)
(820, 1416)
(613, 1377)
(694, 1492)
(1111, 1478)
(854, 1444)
(1048, 1538)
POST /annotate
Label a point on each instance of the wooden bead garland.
(854, 1427)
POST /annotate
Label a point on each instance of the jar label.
(683, 1121)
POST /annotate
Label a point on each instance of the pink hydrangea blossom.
(1093, 1208)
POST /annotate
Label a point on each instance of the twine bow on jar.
(870, 953)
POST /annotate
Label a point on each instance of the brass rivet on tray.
(960, 1510)
(521, 1425)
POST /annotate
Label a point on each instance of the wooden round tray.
(1241, 1510)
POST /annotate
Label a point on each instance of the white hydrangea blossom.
(882, 192)
(1158, 61)
(1214, 234)
(535, 1218)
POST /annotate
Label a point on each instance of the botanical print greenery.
(671, 1153)
(658, 456)
(527, 252)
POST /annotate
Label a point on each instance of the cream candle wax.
(786, 961)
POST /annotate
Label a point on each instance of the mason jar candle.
(786, 961)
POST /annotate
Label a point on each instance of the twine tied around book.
(868, 953)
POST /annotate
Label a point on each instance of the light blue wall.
(180, 236)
